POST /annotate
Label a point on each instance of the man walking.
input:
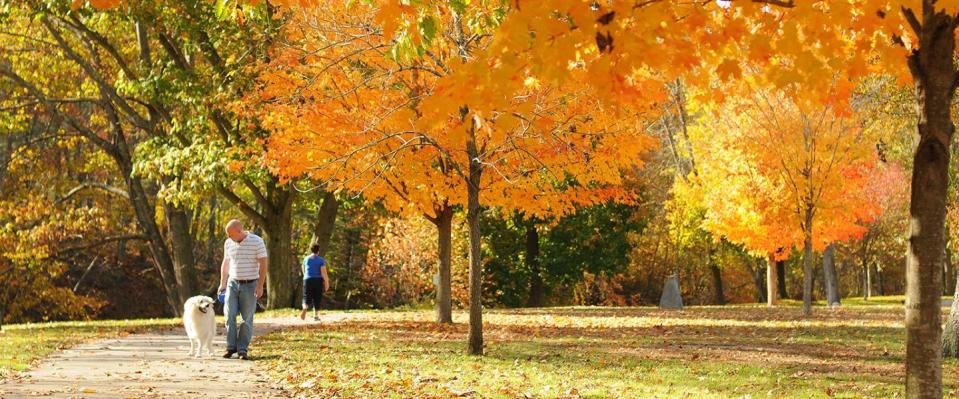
(242, 275)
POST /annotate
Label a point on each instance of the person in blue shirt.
(315, 282)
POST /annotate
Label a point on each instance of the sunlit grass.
(22, 344)
(715, 352)
(732, 351)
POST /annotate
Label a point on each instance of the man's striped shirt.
(243, 256)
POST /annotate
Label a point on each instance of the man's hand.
(221, 289)
(259, 291)
(326, 285)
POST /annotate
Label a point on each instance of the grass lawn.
(714, 352)
(22, 344)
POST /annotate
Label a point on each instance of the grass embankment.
(715, 352)
(22, 344)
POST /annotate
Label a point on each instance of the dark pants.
(312, 292)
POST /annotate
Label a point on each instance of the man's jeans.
(240, 299)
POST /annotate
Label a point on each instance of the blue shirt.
(312, 264)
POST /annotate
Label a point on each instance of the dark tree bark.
(758, 273)
(213, 227)
(325, 221)
(475, 251)
(807, 269)
(145, 214)
(719, 297)
(323, 225)
(781, 279)
(830, 276)
(444, 235)
(934, 73)
(536, 288)
(181, 239)
(163, 261)
(281, 281)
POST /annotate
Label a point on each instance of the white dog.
(200, 324)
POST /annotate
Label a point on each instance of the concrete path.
(153, 365)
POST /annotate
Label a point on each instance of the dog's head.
(201, 303)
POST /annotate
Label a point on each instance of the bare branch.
(93, 185)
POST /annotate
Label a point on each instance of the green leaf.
(428, 28)
(459, 6)
(222, 8)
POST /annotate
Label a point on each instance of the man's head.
(234, 229)
(315, 248)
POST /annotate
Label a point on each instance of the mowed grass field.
(582, 352)
(855, 351)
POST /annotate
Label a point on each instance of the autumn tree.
(85, 84)
(373, 124)
(808, 194)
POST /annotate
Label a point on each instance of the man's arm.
(259, 284)
(224, 275)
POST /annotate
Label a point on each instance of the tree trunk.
(444, 291)
(535, 298)
(325, 222)
(475, 254)
(718, 295)
(758, 273)
(212, 241)
(807, 265)
(879, 283)
(181, 239)
(146, 220)
(830, 276)
(781, 279)
(934, 73)
(867, 282)
(283, 270)
(771, 278)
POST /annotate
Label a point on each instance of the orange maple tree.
(354, 105)
(807, 193)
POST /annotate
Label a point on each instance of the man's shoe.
(244, 356)
(228, 354)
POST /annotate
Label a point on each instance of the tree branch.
(6, 70)
(242, 205)
(107, 240)
(91, 185)
(913, 21)
(107, 89)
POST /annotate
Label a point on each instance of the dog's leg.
(190, 353)
(199, 346)
(209, 345)
(209, 338)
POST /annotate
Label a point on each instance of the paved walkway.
(153, 365)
